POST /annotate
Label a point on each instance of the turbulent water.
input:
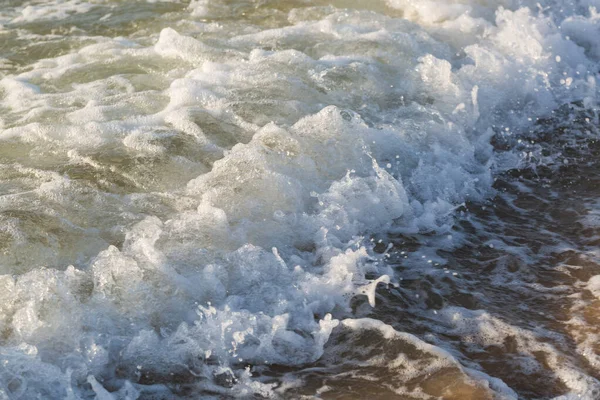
(297, 199)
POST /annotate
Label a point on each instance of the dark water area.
(532, 249)
(524, 271)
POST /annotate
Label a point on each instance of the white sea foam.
(213, 182)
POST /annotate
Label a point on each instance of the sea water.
(393, 199)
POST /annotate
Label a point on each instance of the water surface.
(299, 199)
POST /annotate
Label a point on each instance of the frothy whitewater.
(385, 199)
